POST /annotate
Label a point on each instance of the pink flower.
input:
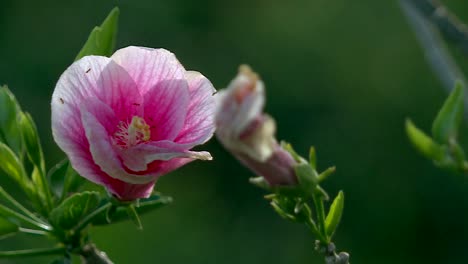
(126, 120)
(248, 133)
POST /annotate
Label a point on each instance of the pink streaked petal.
(127, 191)
(76, 83)
(103, 113)
(148, 67)
(138, 157)
(119, 91)
(103, 152)
(199, 123)
(250, 108)
(165, 108)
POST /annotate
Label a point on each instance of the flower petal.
(103, 152)
(148, 67)
(138, 158)
(165, 108)
(199, 123)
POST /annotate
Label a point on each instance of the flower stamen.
(132, 134)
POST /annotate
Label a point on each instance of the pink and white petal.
(165, 108)
(138, 158)
(148, 67)
(199, 123)
(127, 191)
(103, 152)
(78, 82)
(249, 109)
(103, 113)
(119, 91)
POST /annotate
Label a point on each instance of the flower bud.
(248, 133)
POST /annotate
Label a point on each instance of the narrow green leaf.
(12, 215)
(7, 228)
(133, 215)
(313, 158)
(31, 140)
(56, 176)
(102, 39)
(423, 143)
(73, 209)
(334, 215)
(12, 166)
(9, 130)
(64, 179)
(288, 147)
(146, 205)
(325, 174)
(448, 120)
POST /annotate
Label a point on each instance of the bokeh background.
(340, 75)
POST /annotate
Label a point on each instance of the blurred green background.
(340, 75)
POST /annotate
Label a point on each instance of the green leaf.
(334, 215)
(102, 39)
(313, 158)
(9, 130)
(31, 140)
(7, 228)
(133, 215)
(73, 209)
(325, 174)
(448, 120)
(12, 166)
(144, 206)
(64, 179)
(423, 143)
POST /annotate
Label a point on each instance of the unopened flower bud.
(248, 133)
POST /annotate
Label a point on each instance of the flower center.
(133, 133)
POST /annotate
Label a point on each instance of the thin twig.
(447, 22)
(90, 217)
(435, 49)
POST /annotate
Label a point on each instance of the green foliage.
(448, 120)
(102, 39)
(64, 179)
(443, 147)
(7, 228)
(424, 143)
(334, 215)
(313, 158)
(120, 213)
(13, 167)
(73, 209)
(31, 140)
(307, 176)
(133, 215)
(9, 130)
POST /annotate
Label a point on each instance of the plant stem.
(320, 210)
(90, 217)
(90, 254)
(7, 212)
(32, 252)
